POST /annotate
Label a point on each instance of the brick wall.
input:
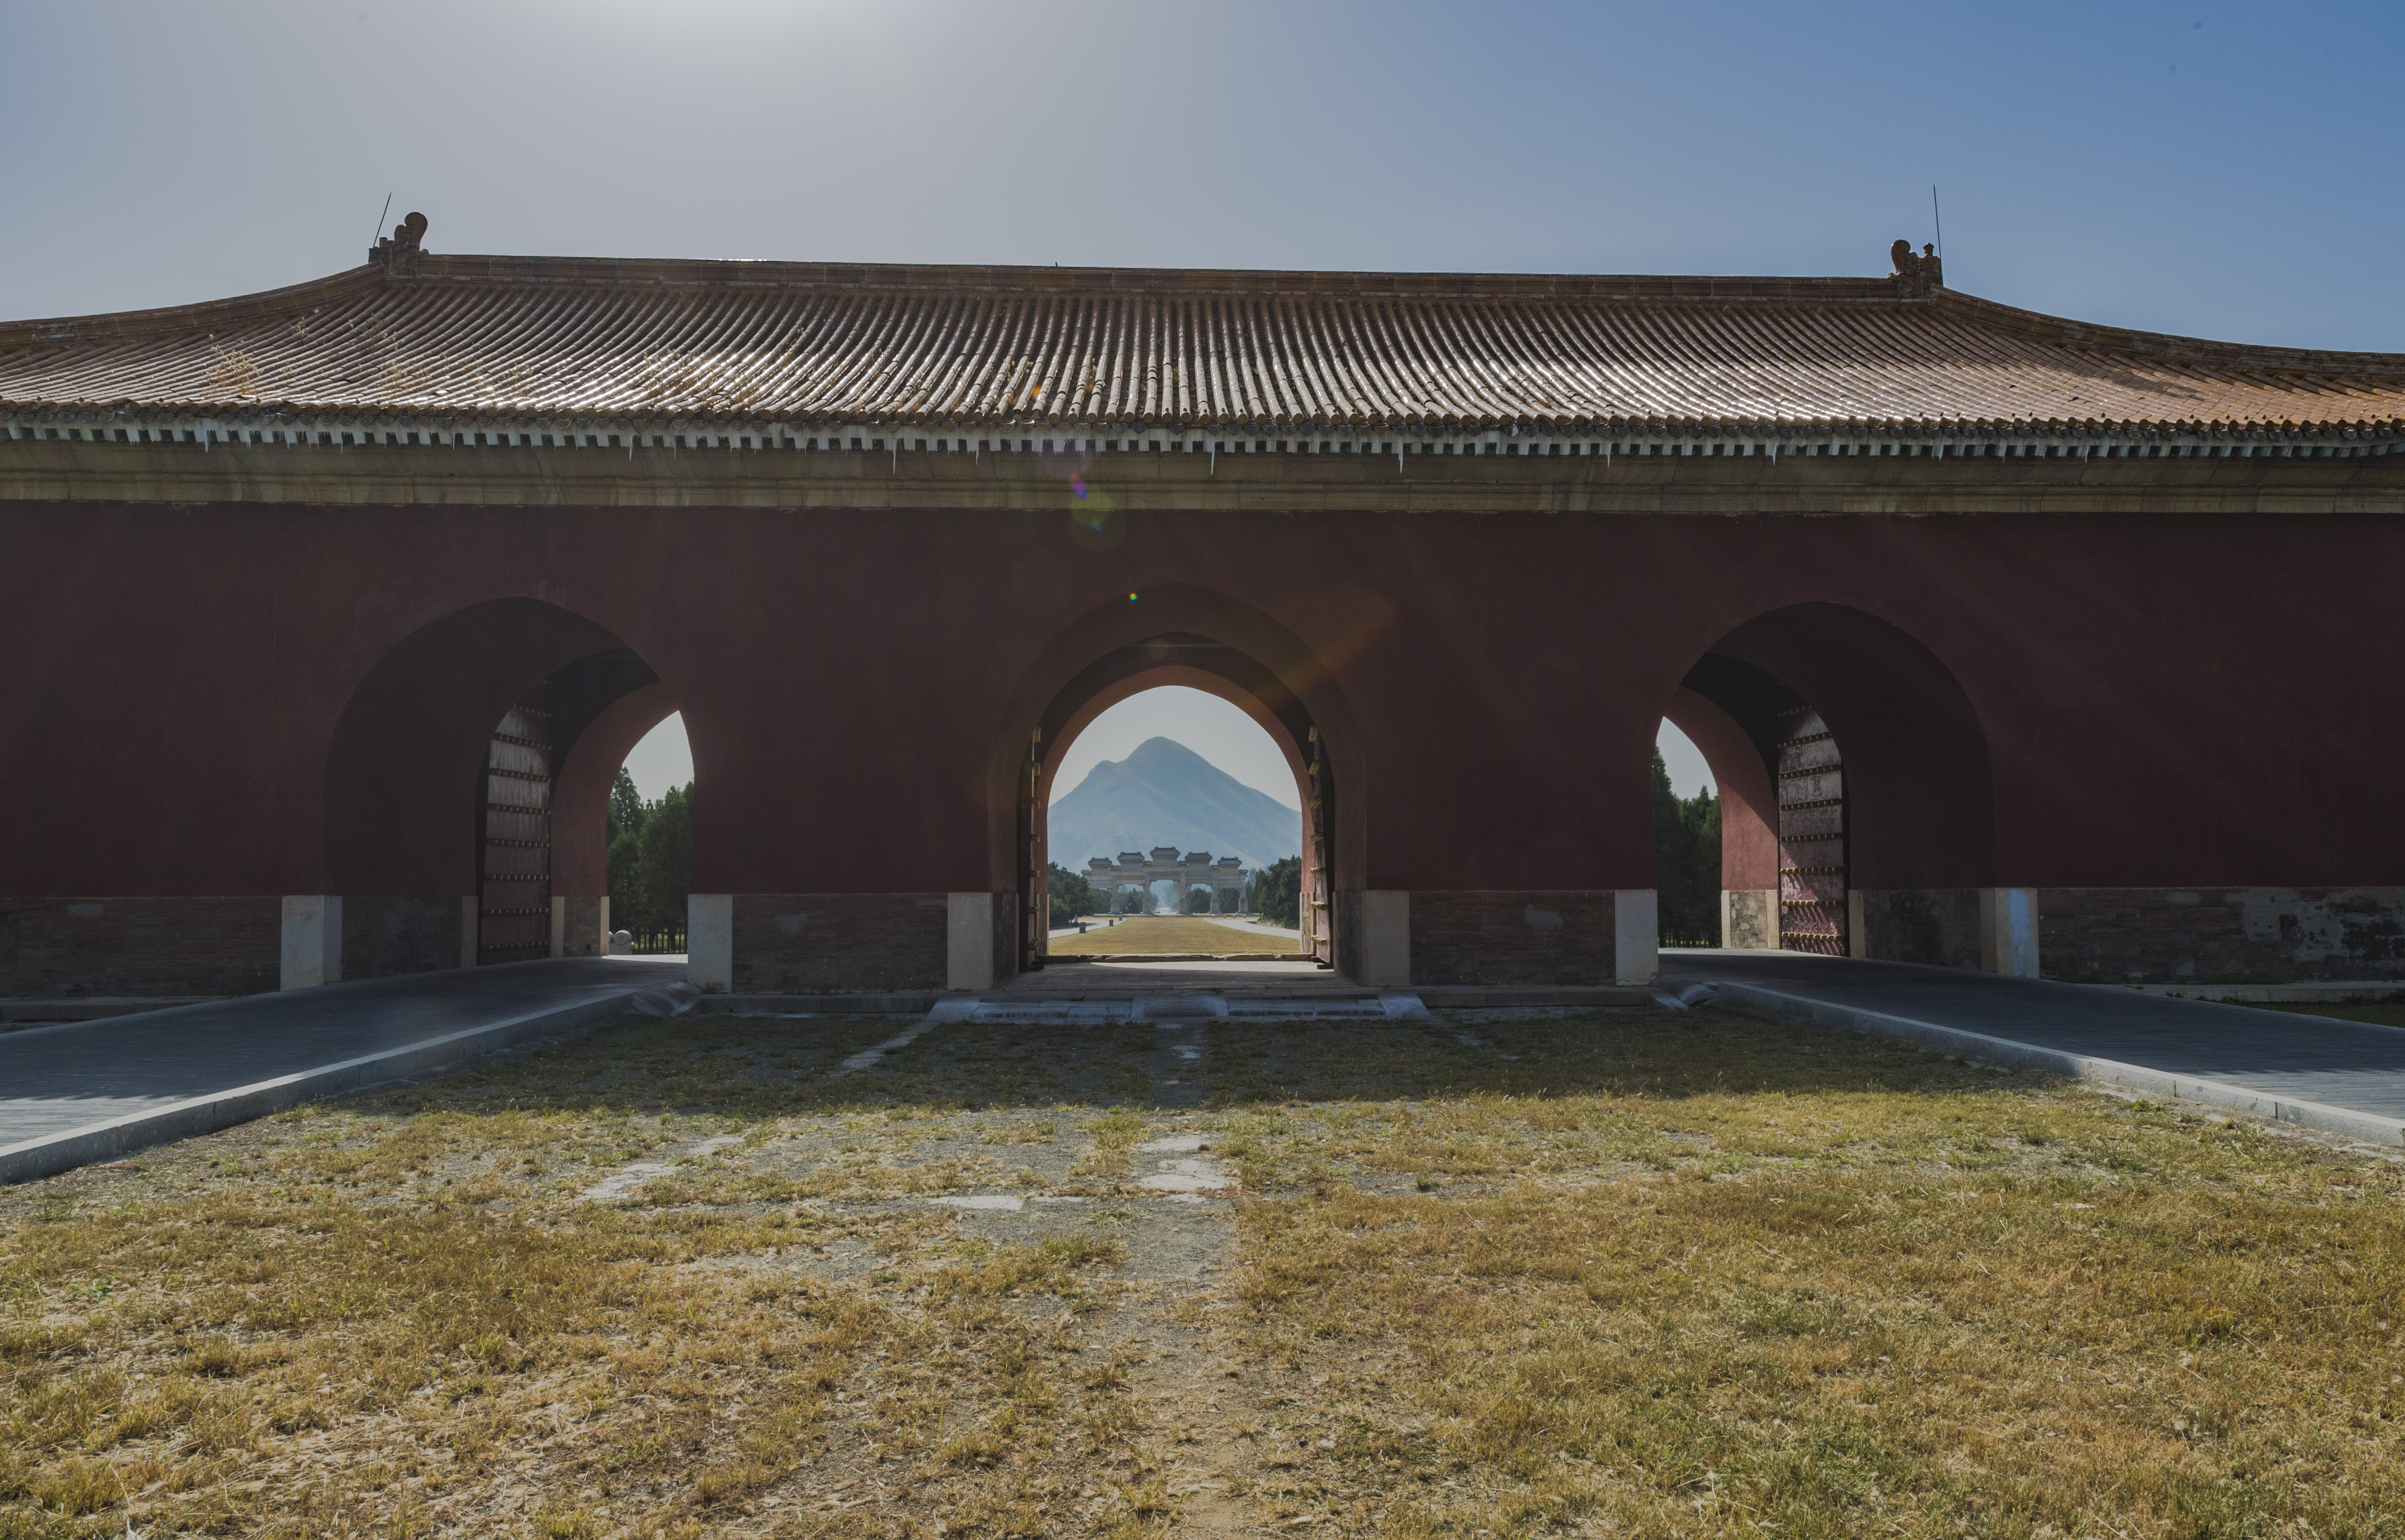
(64, 947)
(840, 943)
(1931, 925)
(384, 936)
(1553, 937)
(2221, 935)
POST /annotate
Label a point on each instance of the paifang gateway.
(2015, 643)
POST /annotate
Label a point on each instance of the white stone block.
(968, 948)
(312, 940)
(710, 942)
(2009, 931)
(1635, 935)
(1386, 939)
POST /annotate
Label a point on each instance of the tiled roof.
(440, 337)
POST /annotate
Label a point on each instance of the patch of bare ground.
(1577, 1273)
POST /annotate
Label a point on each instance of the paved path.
(2310, 1059)
(56, 1078)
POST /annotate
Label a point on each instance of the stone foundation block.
(1749, 919)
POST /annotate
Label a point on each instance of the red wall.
(2165, 700)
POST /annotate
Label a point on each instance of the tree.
(664, 860)
(625, 815)
(1072, 895)
(1198, 899)
(1686, 862)
(1277, 892)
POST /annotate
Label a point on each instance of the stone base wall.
(58, 947)
(385, 936)
(811, 944)
(581, 934)
(1006, 937)
(1554, 937)
(1344, 931)
(2221, 935)
(1933, 925)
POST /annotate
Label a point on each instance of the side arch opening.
(1855, 794)
(466, 792)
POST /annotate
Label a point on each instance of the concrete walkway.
(2280, 1058)
(96, 1084)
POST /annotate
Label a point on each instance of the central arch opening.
(1173, 806)
(1175, 848)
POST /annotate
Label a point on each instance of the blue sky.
(2211, 169)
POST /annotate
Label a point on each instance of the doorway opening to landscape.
(1170, 822)
(1852, 804)
(468, 786)
(1176, 800)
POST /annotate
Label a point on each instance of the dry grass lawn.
(1583, 1273)
(1170, 933)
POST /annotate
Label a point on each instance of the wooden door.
(1811, 836)
(1034, 864)
(513, 919)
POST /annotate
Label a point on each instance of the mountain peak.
(1165, 793)
(1157, 750)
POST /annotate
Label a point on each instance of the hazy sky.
(2205, 168)
(1212, 728)
(1203, 722)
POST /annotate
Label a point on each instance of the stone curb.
(911, 1004)
(1796, 1010)
(1499, 997)
(97, 1142)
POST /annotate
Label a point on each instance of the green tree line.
(1072, 895)
(650, 859)
(1277, 892)
(1686, 862)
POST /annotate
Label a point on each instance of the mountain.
(1165, 793)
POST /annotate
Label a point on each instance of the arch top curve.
(404, 795)
(1178, 634)
(1918, 787)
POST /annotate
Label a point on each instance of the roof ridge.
(2165, 346)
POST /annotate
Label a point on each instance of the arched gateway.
(2015, 643)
